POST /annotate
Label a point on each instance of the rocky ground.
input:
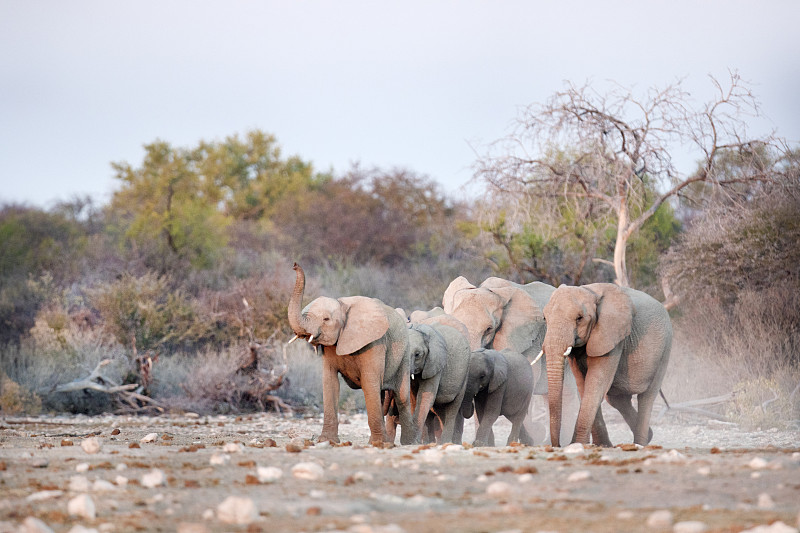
(261, 472)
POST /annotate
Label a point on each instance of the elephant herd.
(491, 350)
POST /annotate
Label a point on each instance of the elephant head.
(428, 351)
(498, 314)
(348, 323)
(488, 370)
(591, 319)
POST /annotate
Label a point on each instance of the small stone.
(208, 514)
(121, 481)
(34, 525)
(525, 478)
(101, 485)
(573, 449)
(757, 463)
(83, 506)
(268, 474)
(362, 476)
(322, 445)
(689, 526)
(154, 478)
(237, 510)
(309, 471)
(44, 495)
(82, 467)
(431, 456)
(150, 437)
(77, 528)
(233, 447)
(580, 475)
(704, 471)
(775, 527)
(91, 445)
(498, 489)
(219, 459)
(660, 519)
(190, 527)
(765, 501)
(625, 515)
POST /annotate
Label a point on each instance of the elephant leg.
(599, 431)
(491, 411)
(642, 433)
(622, 403)
(372, 399)
(405, 412)
(525, 437)
(599, 376)
(330, 402)
(449, 414)
(458, 428)
(422, 409)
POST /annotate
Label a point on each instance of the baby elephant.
(499, 383)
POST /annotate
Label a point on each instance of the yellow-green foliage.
(761, 403)
(15, 400)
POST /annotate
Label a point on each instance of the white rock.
(233, 447)
(498, 489)
(775, 527)
(317, 494)
(91, 445)
(208, 514)
(82, 467)
(660, 519)
(121, 466)
(121, 481)
(525, 478)
(580, 475)
(765, 501)
(362, 476)
(219, 459)
(431, 456)
(689, 526)
(154, 478)
(77, 528)
(150, 437)
(454, 448)
(44, 495)
(268, 474)
(34, 525)
(322, 445)
(573, 449)
(757, 463)
(78, 484)
(625, 515)
(704, 470)
(237, 510)
(309, 471)
(101, 485)
(83, 506)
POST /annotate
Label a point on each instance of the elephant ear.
(436, 361)
(521, 313)
(450, 299)
(365, 322)
(613, 321)
(500, 374)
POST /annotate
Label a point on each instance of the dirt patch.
(176, 473)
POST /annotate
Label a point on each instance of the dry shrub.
(16, 400)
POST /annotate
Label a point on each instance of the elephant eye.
(326, 319)
(580, 317)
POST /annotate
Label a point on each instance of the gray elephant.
(440, 361)
(499, 383)
(501, 314)
(617, 341)
(366, 342)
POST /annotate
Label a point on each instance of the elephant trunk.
(555, 354)
(298, 323)
(467, 405)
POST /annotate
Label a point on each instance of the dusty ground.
(715, 477)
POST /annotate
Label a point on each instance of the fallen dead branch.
(128, 396)
(692, 407)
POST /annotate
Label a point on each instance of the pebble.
(77, 528)
(573, 449)
(150, 437)
(220, 459)
(757, 463)
(83, 506)
(121, 481)
(44, 495)
(268, 474)
(34, 525)
(101, 485)
(580, 475)
(660, 519)
(233, 447)
(82, 467)
(765, 501)
(498, 489)
(689, 526)
(309, 471)
(91, 445)
(775, 527)
(154, 478)
(237, 510)
(78, 484)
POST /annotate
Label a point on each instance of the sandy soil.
(694, 477)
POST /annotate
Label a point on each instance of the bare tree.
(616, 150)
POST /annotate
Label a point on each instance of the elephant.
(501, 314)
(617, 341)
(440, 358)
(366, 342)
(499, 383)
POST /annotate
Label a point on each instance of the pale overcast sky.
(412, 84)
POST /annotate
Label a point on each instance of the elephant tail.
(661, 392)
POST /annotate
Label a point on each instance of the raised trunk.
(555, 385)
(298, 323)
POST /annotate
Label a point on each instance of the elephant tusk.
(292, 340)
(569, 351)
(311, 338)
(541, 353)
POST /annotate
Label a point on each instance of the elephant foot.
(333, 439)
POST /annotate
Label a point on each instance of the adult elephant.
(501, 314)
(617, 341)
(440, 358)
(366, 342)
(499, 383)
